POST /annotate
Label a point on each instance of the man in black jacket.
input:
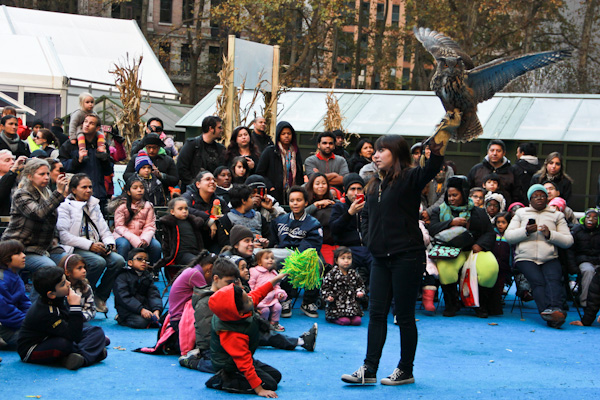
(526, 166)
(345, 225)
(202, 152)
(259, 134)
(584, 255)
(164, 167)
(495, 162)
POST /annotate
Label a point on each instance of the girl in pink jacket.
(270, 306)
(135, 222)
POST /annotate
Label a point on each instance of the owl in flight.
(460, 85)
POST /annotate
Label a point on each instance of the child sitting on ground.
(270, 307)
(235, 338)
(182, 236)
(196, 274)
(503, 253)
(342, 287)
(53, 332)
(137, 298)
(14, 303)
(477, 194)
(74, 267)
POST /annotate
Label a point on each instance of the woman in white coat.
(537, 231)
(83, 230)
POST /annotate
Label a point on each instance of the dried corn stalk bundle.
(270, 102)
(129, 119)
(333, 118)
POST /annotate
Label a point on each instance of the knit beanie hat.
(351, 179)
(515, 204)
(238, 233)
(535, 188)
(587, 212)
(142, 159)
(559, 203)
(256, 181)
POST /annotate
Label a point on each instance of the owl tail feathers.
(469, 129)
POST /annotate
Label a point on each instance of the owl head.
(450, 65)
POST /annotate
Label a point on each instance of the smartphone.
(360, 197)
(531, 221)
(262, 192)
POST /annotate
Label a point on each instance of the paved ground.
(458, 358)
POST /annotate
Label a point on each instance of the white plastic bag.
(469, 289)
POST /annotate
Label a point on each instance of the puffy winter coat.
(141, 227)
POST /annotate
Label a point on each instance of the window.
(396, 13)
(164, 56)
(187, 12)
(186, 55)
(166, 11)
(380, 11)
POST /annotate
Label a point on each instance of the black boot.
(482, 310)
(451, 300)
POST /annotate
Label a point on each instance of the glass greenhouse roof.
(509, 116)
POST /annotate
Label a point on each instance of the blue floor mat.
(458, 358)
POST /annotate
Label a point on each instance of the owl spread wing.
(487, 79)
(440, 45)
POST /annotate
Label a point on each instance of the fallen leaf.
(492, 324)
(509, 350)
(533, 330)
(491, 361)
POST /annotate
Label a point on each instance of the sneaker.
(277, 327)
(398, 377)
(361, 376)
(286, 309)
(73, 361)
(100, 305)
(311, 310)
(189, 360)
(310, 338)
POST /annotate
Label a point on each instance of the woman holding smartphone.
(538, 231)
(390, 226)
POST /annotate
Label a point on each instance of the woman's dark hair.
(360, 145)
(52, 162)
(244, 161)
(311, 192)
(49, 137)
(238, 194)
(9, 248)
(401, 157)
(200, 175)
(233, 149)
(134, 178)
(544, 170)
(76, 179)
(7, 118)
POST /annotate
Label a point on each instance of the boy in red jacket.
(235, 337)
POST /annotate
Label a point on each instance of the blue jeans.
(107, 267)
(154, 249)
(397, 277)
(34, 261)
(545, 281)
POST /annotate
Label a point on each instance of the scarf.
(446, 211)
(288, 159)
(13, 143)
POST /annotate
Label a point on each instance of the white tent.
(66, 54)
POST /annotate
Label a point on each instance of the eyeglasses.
(142, 260)
(539, 197)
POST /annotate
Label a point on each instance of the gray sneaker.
(360, 376)
(286, 309)
(398, 377)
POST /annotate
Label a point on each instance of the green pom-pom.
(304, 269)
